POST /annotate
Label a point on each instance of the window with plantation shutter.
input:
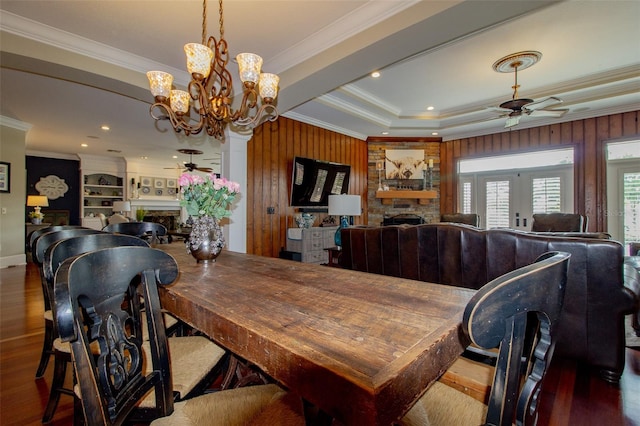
(631, 197)
(546, 195)
(497, 199)
(466, 197)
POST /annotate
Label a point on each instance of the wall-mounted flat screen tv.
(313, 181)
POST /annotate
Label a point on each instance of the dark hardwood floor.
(572, 394)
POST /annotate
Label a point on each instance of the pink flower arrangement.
(208, 195)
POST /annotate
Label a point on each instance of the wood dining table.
(361, 347)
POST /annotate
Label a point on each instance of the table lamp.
(345, 206)
(121, 207)
(37, 201)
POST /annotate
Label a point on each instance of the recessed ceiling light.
(430, 108)
(375, 74)
(84, 145)
(105, 127)
(434, 133)
(385, 133)
(144, 157)
(174, 156)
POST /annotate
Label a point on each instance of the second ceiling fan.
(515, 108)
(191, 166)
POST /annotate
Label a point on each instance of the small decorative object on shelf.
(208, 199)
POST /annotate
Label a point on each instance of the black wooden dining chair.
(153, 232)
(97, 301)
(39, 244)
(35, 234)
(517, 313)
(65, 248)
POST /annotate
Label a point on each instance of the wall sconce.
(380, 169)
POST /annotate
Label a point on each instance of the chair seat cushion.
(191, 357)
(442, 405)
(252, 405)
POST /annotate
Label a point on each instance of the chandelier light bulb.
(180, 101)
(199, 59)
(249, 65)
(268, 86)
(160, 83)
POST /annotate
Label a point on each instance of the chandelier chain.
(204, 21)
(221, 21)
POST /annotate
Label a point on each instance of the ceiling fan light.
(249, 65)
(268, 86)
(199, 59)
(160, 84)
(179, 101)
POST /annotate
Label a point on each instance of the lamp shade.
(249, 65)
(199, 59)
(268, 86)
(160, 83)
(121, 206)
(344, 205)
(37, 201)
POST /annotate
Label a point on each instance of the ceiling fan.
(191, 166)
(515, 108)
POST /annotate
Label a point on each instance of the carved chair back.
(97, 300)
(518, 313)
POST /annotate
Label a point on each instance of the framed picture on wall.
(5, 177)
(404, 163)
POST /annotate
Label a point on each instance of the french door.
(509, 199)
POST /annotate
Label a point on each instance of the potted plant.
(36, 217)
(140, 214)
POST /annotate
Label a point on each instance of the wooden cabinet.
(99, 192)
(311, 242)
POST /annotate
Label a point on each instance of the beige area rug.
(632, 341)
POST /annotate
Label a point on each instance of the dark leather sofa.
(591, 328)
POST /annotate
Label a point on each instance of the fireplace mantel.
(155, 204)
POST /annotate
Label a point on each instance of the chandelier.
(210, 88)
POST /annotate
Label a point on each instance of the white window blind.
(497, 211)
(546, 195)
(466, 197)
(631, 196)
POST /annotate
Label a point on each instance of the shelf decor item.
(207, 199)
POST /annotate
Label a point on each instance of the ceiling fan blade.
(547, 112)
(544, 103)
(204, 169)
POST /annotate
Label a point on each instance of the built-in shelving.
(99, 192)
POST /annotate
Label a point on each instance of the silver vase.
(205, 240)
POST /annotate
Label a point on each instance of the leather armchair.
(466, 218)
(559, 222)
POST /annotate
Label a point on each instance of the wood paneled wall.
(270, 154)
(588, 137)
